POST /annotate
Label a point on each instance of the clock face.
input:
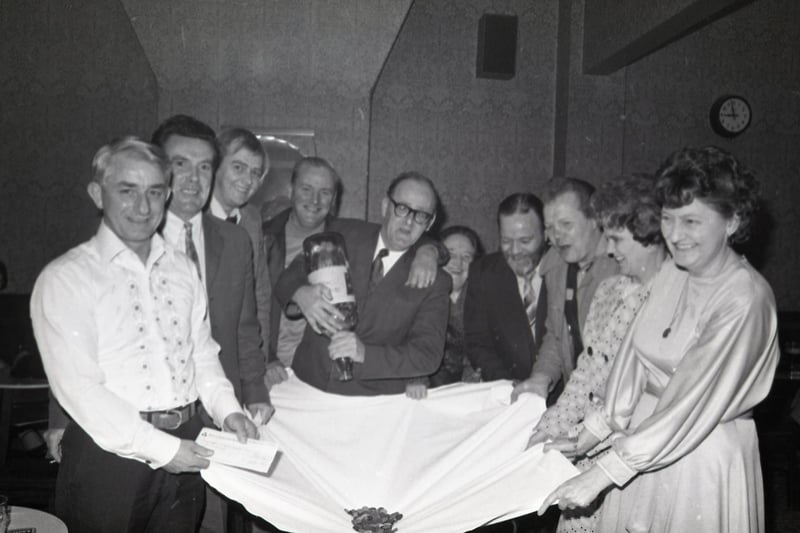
(730, 116)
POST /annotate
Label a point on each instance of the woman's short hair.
(129, 146)
(468, 233)
(629, 202)
(716, 178)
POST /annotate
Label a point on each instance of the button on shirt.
(118, 336)
(175, 234)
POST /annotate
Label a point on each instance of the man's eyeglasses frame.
(402, 210)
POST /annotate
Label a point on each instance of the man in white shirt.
(243, 166)
(121, 323)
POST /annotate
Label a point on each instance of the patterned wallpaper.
(275, 64)
(478, 139)
(72, 77)
(630, 121)
(75, 74)
(630, 28)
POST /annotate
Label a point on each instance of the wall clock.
(730, 115)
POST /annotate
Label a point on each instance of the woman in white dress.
(699, 357)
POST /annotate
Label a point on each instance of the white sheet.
(449, 463)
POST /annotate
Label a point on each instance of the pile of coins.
(373, 520)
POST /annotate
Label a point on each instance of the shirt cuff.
(616, 469)
(159, 448)
(596, 424)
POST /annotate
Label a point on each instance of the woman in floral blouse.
(631, 225)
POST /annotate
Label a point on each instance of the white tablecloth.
(449, 463)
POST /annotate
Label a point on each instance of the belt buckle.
(164, 420)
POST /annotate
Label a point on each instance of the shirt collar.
(218, 211)
(177, 222)
(533, 275)
(109, 245)
(391, 257)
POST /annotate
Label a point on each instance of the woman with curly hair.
(627, 210)
(699, 357)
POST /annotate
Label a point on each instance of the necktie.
(233, 219)
(571, 311)
(529, 301)
(376, 273)
(191, 251)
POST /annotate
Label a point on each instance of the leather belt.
(170, 418)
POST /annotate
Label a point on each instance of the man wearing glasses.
(401, 329)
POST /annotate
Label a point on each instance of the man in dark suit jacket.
(401, 330)
(222, 253)
(243, 166)
(504, 311)
(314, 192)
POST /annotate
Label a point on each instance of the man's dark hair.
(521, 203)
(186, 126)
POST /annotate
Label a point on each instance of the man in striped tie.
(504, 308)
(223, 255)
(572, 271)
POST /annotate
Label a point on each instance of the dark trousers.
(98, 491)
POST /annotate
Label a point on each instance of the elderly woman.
(464, 246)
(630, 217)
(699, 357)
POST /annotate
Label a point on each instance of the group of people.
(626, 307)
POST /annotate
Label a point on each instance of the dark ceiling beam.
(619, 32)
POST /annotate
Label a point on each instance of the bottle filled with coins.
(326, 262)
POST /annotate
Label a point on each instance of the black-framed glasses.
(402, 211)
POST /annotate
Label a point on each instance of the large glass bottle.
(326, 262)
